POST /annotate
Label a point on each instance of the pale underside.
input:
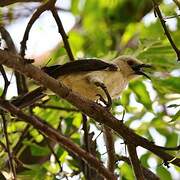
(84, 83)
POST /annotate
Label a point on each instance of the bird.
(93, 78)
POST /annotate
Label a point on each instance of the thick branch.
(54, 135)
(90, 108)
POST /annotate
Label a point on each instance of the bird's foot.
(107, 103)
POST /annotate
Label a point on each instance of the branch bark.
(11, 164)
(35, 16)
(167, 33)
(90, 108)
(62, 32)
(135, 162)
(109, 141)
(20, 79)
(54, 135)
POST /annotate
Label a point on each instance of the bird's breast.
(115, 83)
(79, 82)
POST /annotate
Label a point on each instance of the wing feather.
(79, 66)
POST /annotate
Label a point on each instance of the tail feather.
(29, 98)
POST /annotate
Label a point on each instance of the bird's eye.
(130, 62)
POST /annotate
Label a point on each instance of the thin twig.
(167, 33)
(170, 17)
(21, 138)
(34, 17)
(6, 82)
(109, 142)
(20, 79)
(85, 129)
(52, 151)
(135, 162)
(177, 148)
(62, 32)
(43, 106)
(86, 144)
(11, 165)
(3, 146)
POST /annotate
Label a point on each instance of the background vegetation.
(103, 29)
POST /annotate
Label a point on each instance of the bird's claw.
(107, 103)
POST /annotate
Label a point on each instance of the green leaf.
(37, 150)
(75, 6)
(163, 173)
(126, 171)
(141, 93)
(125, 97)
(171, 140)
(76, 41)
(34, 172)
(176, 116)
(144, 159)
(168, 85)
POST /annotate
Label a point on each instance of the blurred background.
(103, 29)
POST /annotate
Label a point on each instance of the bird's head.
(131, 67)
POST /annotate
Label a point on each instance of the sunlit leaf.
(163, 173)
(37, 150)
(176, 116)
(141, 93)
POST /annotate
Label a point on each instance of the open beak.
(138, 68)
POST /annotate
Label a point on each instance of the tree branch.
(109, 141)
(20, 79)
(92, 109)
(167, 33)
(11, 165)
(34, 17)
(135, 162)
(54, 135)
(6, 82)
(43, 106)
(21, 138)
(62, 32)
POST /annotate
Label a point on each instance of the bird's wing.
(79, 66)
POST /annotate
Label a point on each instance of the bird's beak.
(138, 68)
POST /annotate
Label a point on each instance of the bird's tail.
(29, 98)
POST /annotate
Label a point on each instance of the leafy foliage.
(106, 29)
